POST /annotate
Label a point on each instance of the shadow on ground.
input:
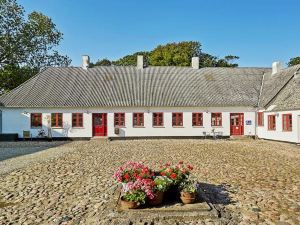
(10, 150)
(214, 194)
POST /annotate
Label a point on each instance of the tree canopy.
(176, 54)
(27, 44)
(103, 62)
(294, 61)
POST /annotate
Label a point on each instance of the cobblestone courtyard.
(262, 180)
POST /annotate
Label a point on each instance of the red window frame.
(216, 119)
(36, 120)
(119, 119)
(138, 119)
(197, 119)
(157, 119)
(260, 119)
(271, 122)
(287, 122)
(177, 119)
(56, 120)
(77, 119)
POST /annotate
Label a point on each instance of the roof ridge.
(206, 67)
(294, 66)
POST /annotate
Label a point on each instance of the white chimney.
(276, 67)
(195, 62)
(140, 62)
(85, 62)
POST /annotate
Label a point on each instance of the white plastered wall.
(279, 134)
(16, 120)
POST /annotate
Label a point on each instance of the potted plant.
(177, 173)
(161, 185)
(188, 192)
(132, 195)
(133, 199)
(132, 171)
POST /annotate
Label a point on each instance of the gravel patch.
(261, 178)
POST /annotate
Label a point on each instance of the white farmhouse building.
(128, 101)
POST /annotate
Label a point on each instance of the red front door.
(236, 123)
(99, 124)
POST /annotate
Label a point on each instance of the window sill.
(57, 127)
(178, 126)
(77, 127)
(198, 126)
(119, 127)
(271, 130)
(287, 131)
(158, 127)
(260, 125)
(138, 126)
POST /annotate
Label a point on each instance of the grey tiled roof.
(113, 86)
(273, 84)
(289, 97)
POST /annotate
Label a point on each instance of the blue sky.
(259, 31)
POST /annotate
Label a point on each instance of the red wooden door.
(99, 124)
(236, 123)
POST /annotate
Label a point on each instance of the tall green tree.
(294, 61)
(103, 62)
(26, 43)
(177, 54)
(12, 75)
(130, 60)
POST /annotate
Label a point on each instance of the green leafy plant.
(188, 186)
(135, 196)
(162, 184)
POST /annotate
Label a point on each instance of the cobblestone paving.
(261, 177)
(31, 152)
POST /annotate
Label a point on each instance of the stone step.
(241, 137)
(178, 211)
(99, 138)
(175, 211)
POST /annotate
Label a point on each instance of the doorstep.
(241, 137)
(99, 138)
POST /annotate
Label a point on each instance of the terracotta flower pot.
(129, 204)
(188, 198)
(157, 199)
(188, 194)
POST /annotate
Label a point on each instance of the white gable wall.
(279, 134)
(16, 120)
